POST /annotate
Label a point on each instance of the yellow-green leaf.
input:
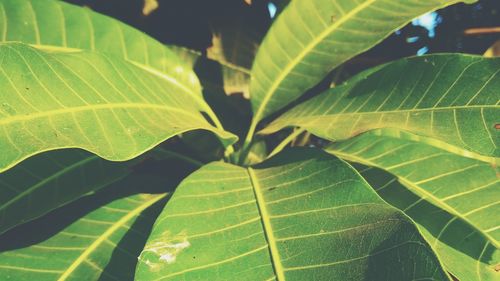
(453, 199)
(56, 25)
(302, 215)
(310, 38)
(465, 187)
(464, 251)
(101, 103)
(451, 99)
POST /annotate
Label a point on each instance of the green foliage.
(449, 98)
(310, 38)
(447, 195)
(78, 89)
(288, 219)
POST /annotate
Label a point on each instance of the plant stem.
(285, 142)
(248, 140)
(230, 149)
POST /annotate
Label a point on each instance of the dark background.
(189, 23)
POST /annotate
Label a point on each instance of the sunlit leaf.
(465, 187)
(453, 99)
(310, 38)
(56, 25)
(100, 103)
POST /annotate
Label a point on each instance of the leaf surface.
(465, 187)
(465, 252)
(302, 215)
(59, 26)
(83, 242)
(100, 103)
(310, 38)
(49, 180)
(453, 99)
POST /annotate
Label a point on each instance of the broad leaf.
(310, 38)
(465, 187)
(56, 25)
(453, 99)
(82, 99)
(51, 24)
(303, 215)
(96, 238)
(49, 180)
(464, 251)
(52, 179)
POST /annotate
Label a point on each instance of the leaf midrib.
(109, 106)
(158, 73)
(266, 224)
(393, 111)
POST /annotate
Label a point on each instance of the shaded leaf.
(290, 217)
(465, 187)
(52, 179)
(449, 98)
(49, 180)
(454, 199)
(464, 251)
(83, 242)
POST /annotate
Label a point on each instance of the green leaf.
(464, 251)
(96, 238)
(82, 99)
(303, 215)
(451, 99)
(451, 196)
(49, 180)
(310, 38)
(52, 179)
(56, 25)
(465, 187)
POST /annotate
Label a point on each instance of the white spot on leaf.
(163, 251)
